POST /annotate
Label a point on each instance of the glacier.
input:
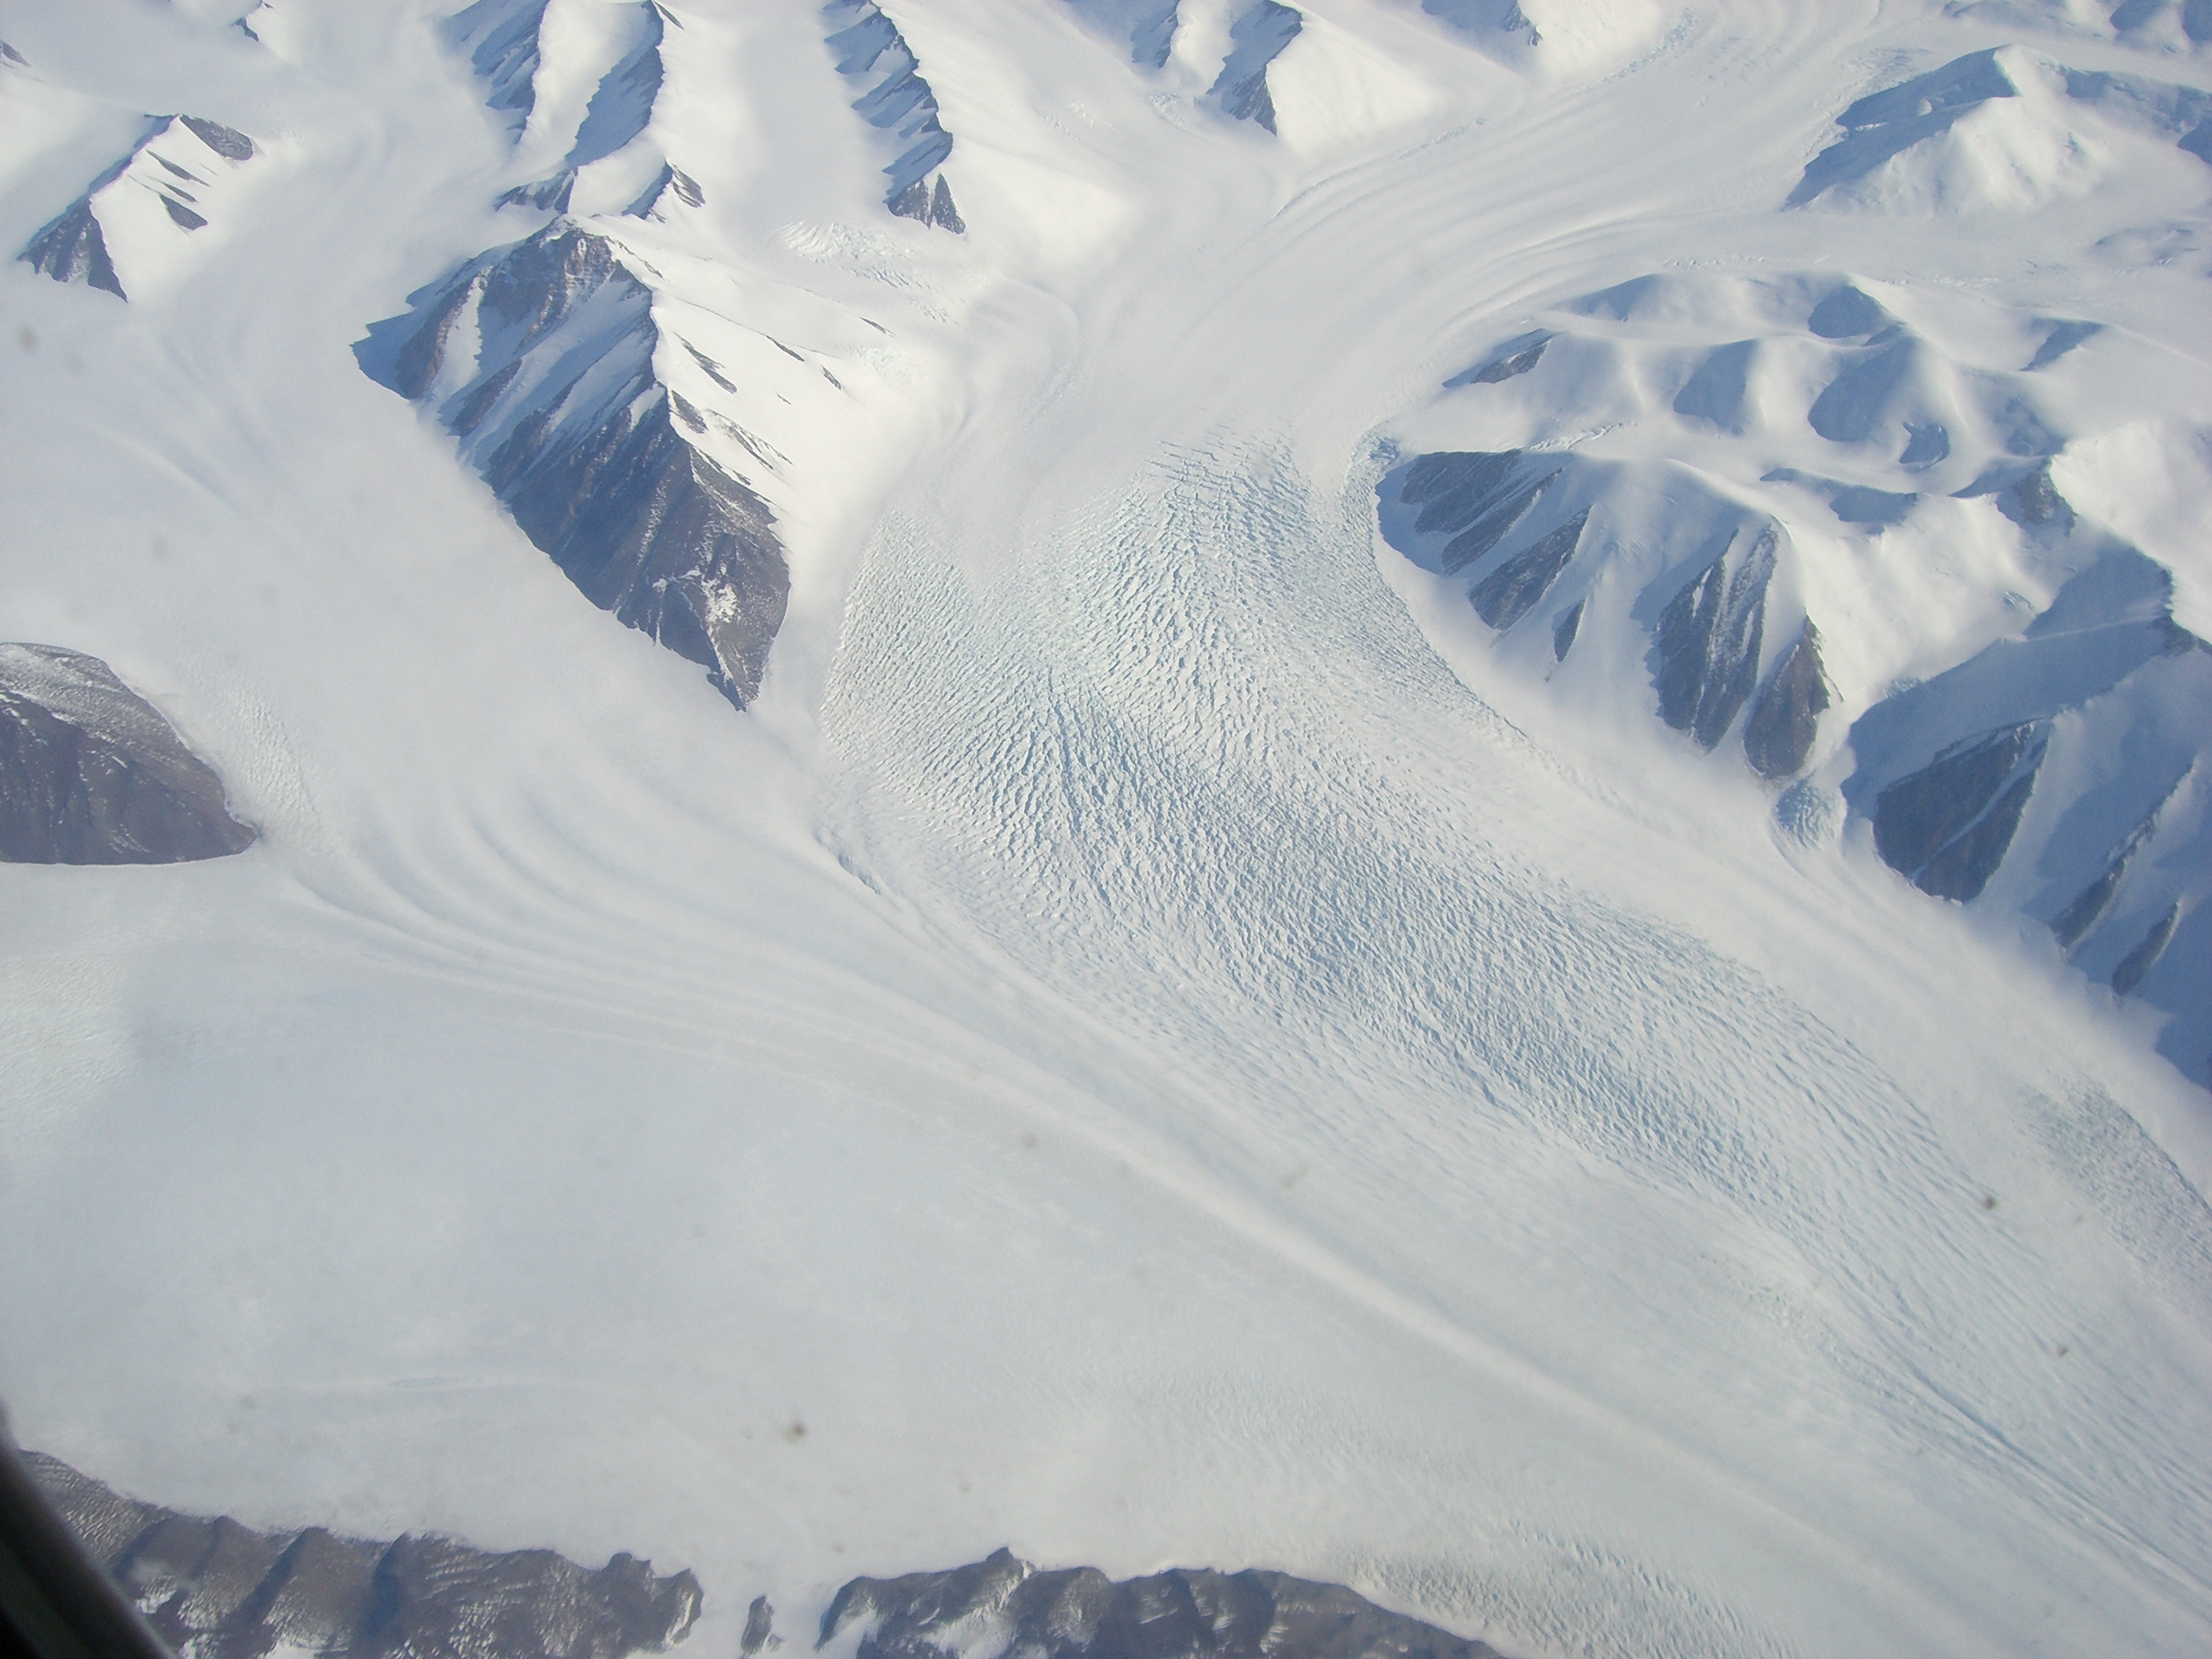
(1462, 853)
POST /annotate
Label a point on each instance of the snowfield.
(1181, 1021)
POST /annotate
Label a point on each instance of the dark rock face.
(671, 182)
(1564, 629)
(1787, 716)
(1882, 124)
(91, 774)
(868, 46)
(1007, 1605)
(1148, 26)
(215, 1589)
(73, 249)
(1947, 827)
(1710, 638)
(500, 37)
(226, 141)
(2090, 905)
(621, 105)
(1476, 498)
(2144, 957)
(1515, 357)
(654, 531)
(1510, 592)
(567, 422)
(1256, 38)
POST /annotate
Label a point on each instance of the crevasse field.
(1159, 1035)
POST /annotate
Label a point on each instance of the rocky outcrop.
(1898, 118)
(1787, 716)
(1710, 638)
(1518, 520)
(560, 403)
(157, 194)
(501, 38)
(214, 1589)
(869, 48)
(1947, 826)
(1007, 1605)
(621, 108)
(2103, 674)
(1146, 26)
(1256, 38)
(91, 774)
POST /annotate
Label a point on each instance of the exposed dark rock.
(1478, 15)
(1005, 1605)
(1147, 26)
(1883, 124)
(216, 1590)
(2036, 501)
(232, 146)
(621, 105)
(2144, 957)
(1926, 442)
(760, 1628)
(1710, 638)
(912, 202)
(91, 774)
(500, 37)
(546, 195)
(1515, 357)
(2062, 338)
(1784, 721)
(1564, 629)
(586, 453)
(1256, 38)
(656, 532)
(869, 47)
(1475, 498)
(73, 249)
(671, 181)
(1512, 591)
(942, 213)
(2091, 904)
(1947, 826)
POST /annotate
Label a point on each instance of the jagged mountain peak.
(133, 228)
(869, 50)
(545, 359)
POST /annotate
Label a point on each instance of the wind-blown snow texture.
(1468, 860)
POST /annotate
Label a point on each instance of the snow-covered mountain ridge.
(1463, 852)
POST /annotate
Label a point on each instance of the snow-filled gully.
(1140, 1045)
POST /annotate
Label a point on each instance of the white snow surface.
(1151, 1043)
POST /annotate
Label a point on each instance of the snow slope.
(1159, 1036)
